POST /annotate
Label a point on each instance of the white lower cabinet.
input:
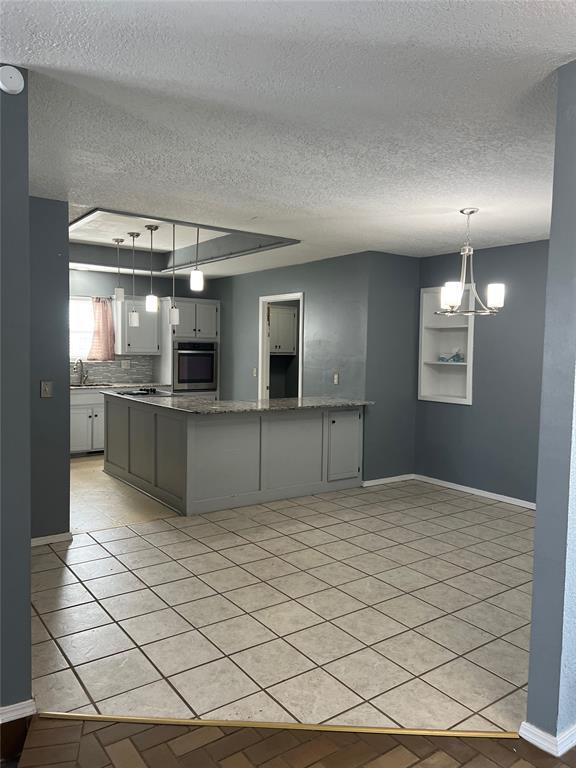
(86, 422)
(80, 428)
(98, 428)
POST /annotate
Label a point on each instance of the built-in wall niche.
(446, 351)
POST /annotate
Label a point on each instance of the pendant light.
(451, 293)
(174, 314)
(197, 276)
(133, 316)
(151, 299)
(118, 291)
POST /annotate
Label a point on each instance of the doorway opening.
(281, 335)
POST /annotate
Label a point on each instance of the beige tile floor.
(99, 501)
(404, 604)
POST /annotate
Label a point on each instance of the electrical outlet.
(125, 364)
(336, 377)
(46, 389)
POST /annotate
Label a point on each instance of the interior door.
(206, 321)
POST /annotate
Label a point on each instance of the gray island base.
(199, 456)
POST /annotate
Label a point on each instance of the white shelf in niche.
(438, 380)
(443, 362)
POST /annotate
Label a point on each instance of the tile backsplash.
(141, 370)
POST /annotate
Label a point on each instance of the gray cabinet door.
(344, 446)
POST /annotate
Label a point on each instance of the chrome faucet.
(79, 369)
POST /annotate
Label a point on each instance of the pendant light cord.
(133, 235)
(173, 265)
(197, 244)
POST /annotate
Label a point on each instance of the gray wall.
(335, 320)
(492, 444)
(15, 471)
(360, 318)
(552, 678)
(87, 283)
(49, 318)
(391, 365)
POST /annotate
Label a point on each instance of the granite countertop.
(196, 405)
(119, 385)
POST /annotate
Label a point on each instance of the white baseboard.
(477, 492)
(16, 711)
(385, 480)
(452, 486)
(554, 745)
(40, 540)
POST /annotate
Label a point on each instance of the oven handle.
(194, 352)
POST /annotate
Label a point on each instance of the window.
(81, 324)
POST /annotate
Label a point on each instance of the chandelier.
(452, 293)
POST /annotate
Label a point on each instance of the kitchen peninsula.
(199, 455)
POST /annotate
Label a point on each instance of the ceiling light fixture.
(452, 293)
(174, 314)
(118, 291)
(151, 299)
(197, 276)
(133, 316)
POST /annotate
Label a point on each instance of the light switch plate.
(125, 364)
(46, 389)
(336, 377)
(255, 372)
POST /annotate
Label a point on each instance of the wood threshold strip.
(283, 726)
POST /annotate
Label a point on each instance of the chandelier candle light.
(151, 299)
(451, 293)
(197, 276)
(118, 291)
(133, 316)
(174, 314)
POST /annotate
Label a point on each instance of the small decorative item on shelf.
(455, 356)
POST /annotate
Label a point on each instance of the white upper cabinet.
(206, 321)
(198, 319)
(141, 340)
(283, 330)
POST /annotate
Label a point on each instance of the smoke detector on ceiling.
(11, 80)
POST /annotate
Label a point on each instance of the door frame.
(264, 340)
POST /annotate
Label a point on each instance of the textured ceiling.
(347, 125)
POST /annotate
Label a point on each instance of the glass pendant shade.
(451, 295)
(495, 294)
(119, 294)
(133, 319)
(151, 303)
(196, 280)
(174, 315)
